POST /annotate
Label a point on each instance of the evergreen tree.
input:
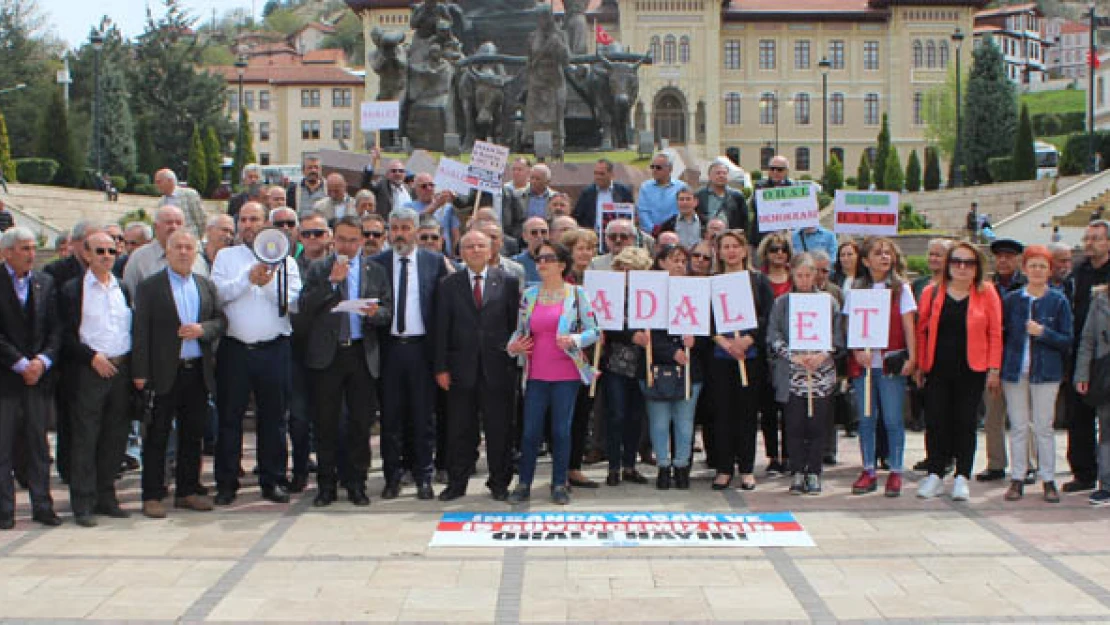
(198, 171)
(932, 169)
(117, 129)
(863, 173)
(892, 172)
(882, 149)
(1023, 164)
(147, 160)
(213, 156)
(913, 173)
(244, 154)
(55, 142)
(7, 165)
(990, 113)
(834, 175)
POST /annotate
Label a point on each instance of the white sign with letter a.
(647, 300)
(809, 322)
(688, 306)
(733, 303)
(868, 315)
(606, 291)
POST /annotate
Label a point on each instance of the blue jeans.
(538, 397)
(624, 408)
(888, 394)
(680, 412)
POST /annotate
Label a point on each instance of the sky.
(72, 19)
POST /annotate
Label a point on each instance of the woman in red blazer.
(959, 329)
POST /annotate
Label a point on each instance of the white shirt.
(400, 194)
(414, 320)
(251, 310)
(105, 317)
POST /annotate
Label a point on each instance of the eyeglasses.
(429, 237)
(313, 234)
(397, 171)
(426, 185)
(538, 232)
(776, 169)
(700, 256)
(618, 236)
(286, 223)
(105, 251)
(658, 166)
(547, 258)
(117, 237)
(965, 263)
(776, 249)
(373, 234)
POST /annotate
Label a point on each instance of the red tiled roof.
(320, 26)
(289, 75)
(323, 56)
(1074, 28)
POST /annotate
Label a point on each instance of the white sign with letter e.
(688, 306)
(733, 304)
(647, 300)
(606, 291)
(809, 322)
(380, 116)
(868, 315)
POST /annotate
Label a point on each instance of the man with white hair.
(188, 200)
(218, 234)
(534, 199)
(30, 343)
(151, 258)
(337, 203)
(253, 189)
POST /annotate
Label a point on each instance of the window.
(801, 109)
(801, 54)
(930, 55)
(836, 53)
(801, 159)
(942, 50)
(732, 54)
(767, 106)
(263, 131)
(918, 54)
(341, 98)
(668, 50)
(248, 100)
(836, 109)
(918, 108)
(871, 109)
(766, 153)
(263, 158)
(233, 101)
(341, 129)
(684, 49)
(310, 98)
(871, 55)
(264, 100)
(655, 50)
(732, 108)
(766, 54)
(310, 130)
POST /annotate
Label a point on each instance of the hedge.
(36, 170)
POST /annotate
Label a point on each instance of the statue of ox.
(480, 97)
(614, 87)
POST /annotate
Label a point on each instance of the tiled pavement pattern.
(877, 560)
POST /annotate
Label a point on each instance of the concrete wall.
(947, 209)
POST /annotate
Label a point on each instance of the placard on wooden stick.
(607, 295)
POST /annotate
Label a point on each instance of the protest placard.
(733, 304)
(380, 116)
(606, 291)
(616, 210)
(810, 322)
(787, 208)
(868, 318)
(484, 179)
(489, 156)
(451, 175)
(688, 306)
(866, 213)
(647, 300)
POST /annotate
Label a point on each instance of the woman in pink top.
(556, 322)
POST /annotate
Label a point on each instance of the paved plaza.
(876, 560)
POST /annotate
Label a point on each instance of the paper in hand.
(354, 305)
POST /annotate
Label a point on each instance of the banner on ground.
(866, 213)
(788, 208)
(619, 529)
(380, 116)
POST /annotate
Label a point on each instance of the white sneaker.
(931, 486)
(960, 489)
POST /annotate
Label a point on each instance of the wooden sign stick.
(742, 364)
(597, 362)
(867, 388)
(687, 373)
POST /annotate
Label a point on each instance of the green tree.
(892, 172)
(863, 172)
(990, 119)
(285, 21)
(940, 113)
(244, 154)
(117, 129)
(7, 165)
(882, 149)
(147, 160)
(213, 155)
(834, 175)
(1023, 164)
(198, 172)
(348, 36)
(913, 173)
(28, 54)
(56, 143)
(932, 169)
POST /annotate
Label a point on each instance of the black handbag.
(623, 359)
(669, 383)
(1098, 392)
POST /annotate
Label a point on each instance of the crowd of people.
(458, 323)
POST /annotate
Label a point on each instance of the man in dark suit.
(30, 343)
(342, 353)
(414, 274)
(390, 190)
(177, 326)
(475, 315)
(717, 201)
(604, 190)
(778, 175)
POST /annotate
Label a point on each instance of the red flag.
(1093, 61)
(603, 37)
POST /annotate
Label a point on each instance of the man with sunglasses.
(97, 334)
(619, 234)
(135, 235)
(778, 175)
(534, 233)
(440, 205)
(310, 189)
(374, 230)
(390, 191)
(658, 199)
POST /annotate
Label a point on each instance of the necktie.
(344, 320)
(402, 295)
(478, 291)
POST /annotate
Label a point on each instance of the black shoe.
(682, 478)
(298, 483)
(7, 523)
(224, 497)
(129, 464)
(391, 491)
(47, 518)
(499, 494)
(990, 475)
(634, 476)
(113, 511)
(201, 490)
(923, 465)
(583, 483)
(275, 493)
(1030, 477)
(1078, 486)
(452, 493)
(209, 449)
(324, 498)
(520, 495)
(424, 491)
(85, 519)
(357, 496)
(560, 496)
(829, 460)
(724, 486)
(613, 479)
(663, 479)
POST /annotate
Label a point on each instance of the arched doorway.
(669, 116)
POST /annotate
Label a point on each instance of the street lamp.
(1092, 61)
(824, 64)
(96, 38)
(241, 68)
(957, 173)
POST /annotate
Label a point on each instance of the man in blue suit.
(408, 347)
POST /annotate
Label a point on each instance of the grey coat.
(1095, 341)
(783, 372)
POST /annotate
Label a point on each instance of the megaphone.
(271, 247)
